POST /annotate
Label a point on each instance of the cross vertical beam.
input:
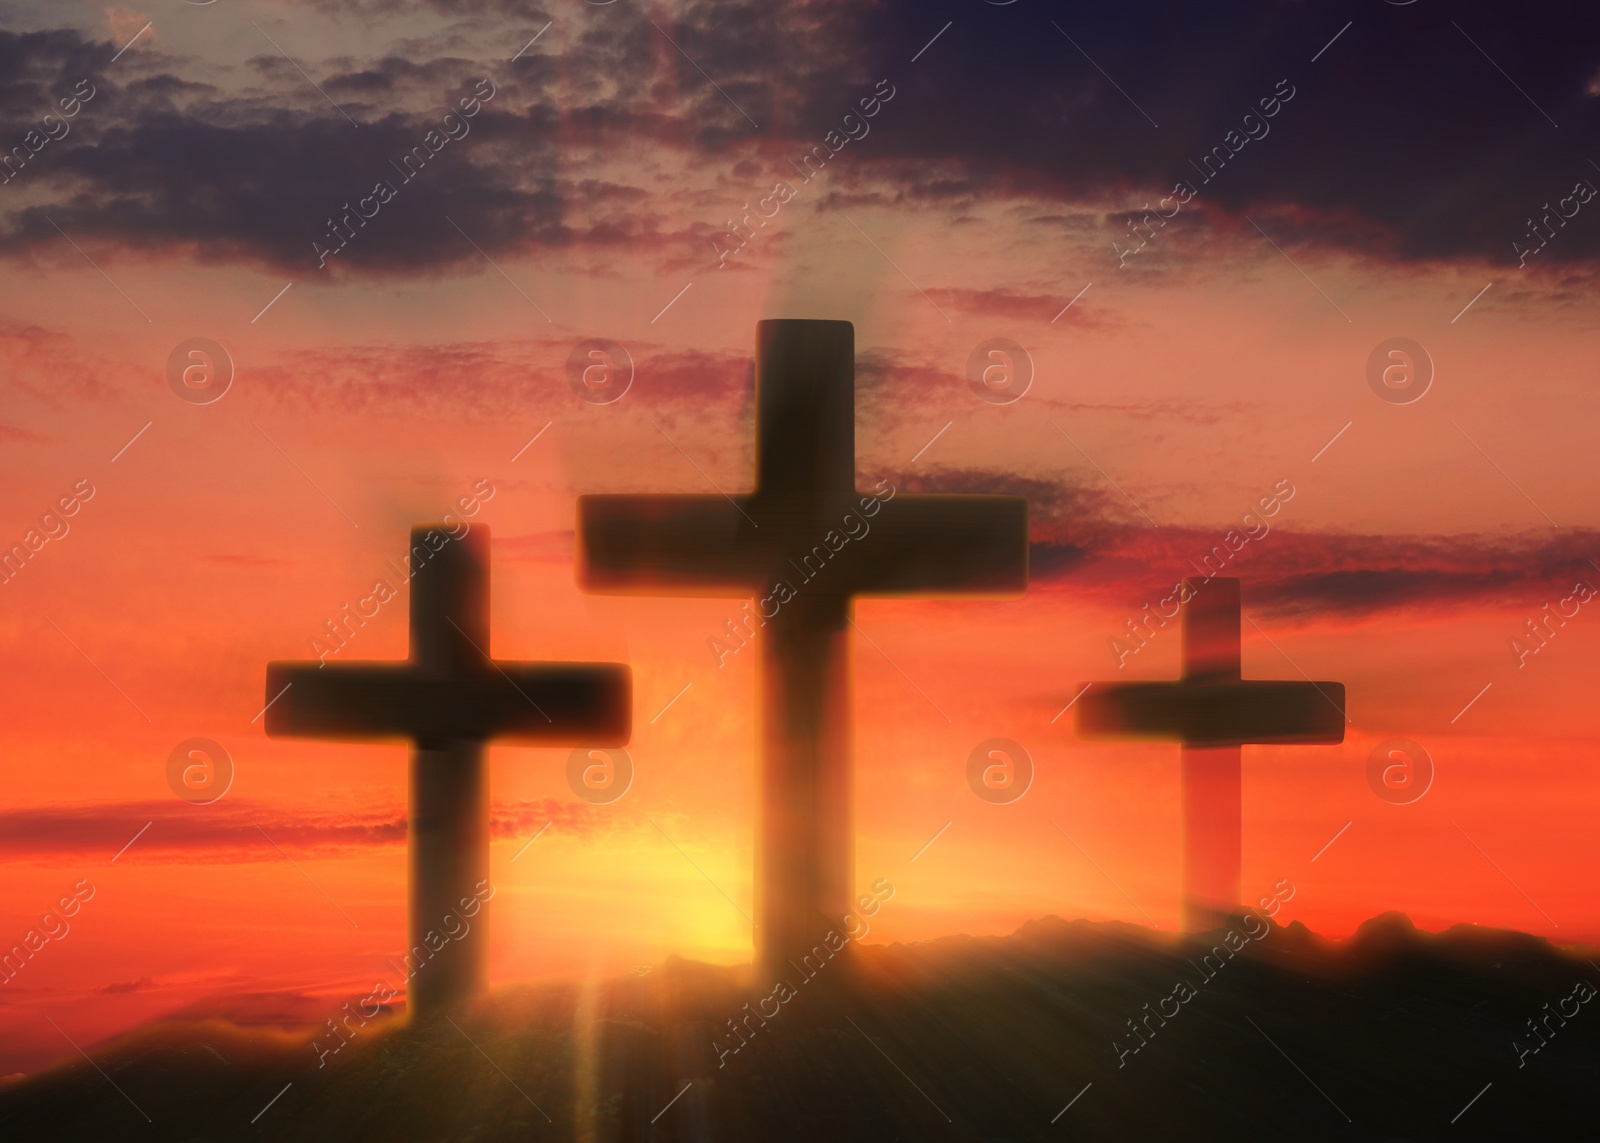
(448, 699)
(805, 543)
(1211, 781)
(805, 841)
(1211, 777)
(805, 470)
(1213, 711)
(448, 827)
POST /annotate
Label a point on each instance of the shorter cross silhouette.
(449, 698)
(1212, 711)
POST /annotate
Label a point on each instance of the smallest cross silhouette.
(449, 699)
(1212, 711)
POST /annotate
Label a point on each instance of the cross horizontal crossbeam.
(527, 702)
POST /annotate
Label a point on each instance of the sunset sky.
(589, 198)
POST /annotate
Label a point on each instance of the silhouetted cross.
(1212, 711)
(788, 543)
(448, 699)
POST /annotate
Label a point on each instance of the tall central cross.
(1213, 711)
(449, 699)
(789, 544)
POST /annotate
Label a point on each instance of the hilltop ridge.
(1151, 1035)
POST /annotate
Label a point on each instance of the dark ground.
(1386, 1036)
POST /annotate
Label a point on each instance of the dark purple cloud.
(1292, 573)
(1095, 543)
(1408, 139)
